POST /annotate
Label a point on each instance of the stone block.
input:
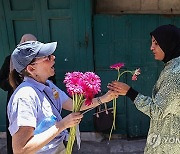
(117, 5)
(125, 5)
(169, 5)
(104, 5)
(149, 5)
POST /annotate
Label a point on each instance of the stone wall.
(138, 6)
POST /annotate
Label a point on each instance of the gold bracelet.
(99, 101)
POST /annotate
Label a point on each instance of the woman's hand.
(110, 95)
(70, 120)
(119, 87)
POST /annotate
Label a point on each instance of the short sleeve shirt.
(32, 102)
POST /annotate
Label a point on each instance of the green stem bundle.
(115, 104)
(77, 103)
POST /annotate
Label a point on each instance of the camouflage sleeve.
(165, 99)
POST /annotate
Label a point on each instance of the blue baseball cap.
(25, 52)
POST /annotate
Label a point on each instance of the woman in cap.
(34, 99)
(5, 85)
(164, 106)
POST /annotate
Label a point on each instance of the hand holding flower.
(120, 87)
(109, 96)
(70, 120)
(82, 87)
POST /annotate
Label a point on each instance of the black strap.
(132, 94)
(51, 101)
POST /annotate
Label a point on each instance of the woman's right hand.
(71, 120)
(109, 96)
(120, 87)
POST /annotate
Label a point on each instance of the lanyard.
(51, 101)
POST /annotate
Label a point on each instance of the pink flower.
(91, 86)
(81, 87)
(117, 66)
(74, 83)
(89, 96)
(72, 89)
(92, 81)
(136, 73)
(73, 77)
(134, 77)
(87, 84)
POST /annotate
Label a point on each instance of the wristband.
(99, 101)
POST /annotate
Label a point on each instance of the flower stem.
(73, 103)
(114, 113)
(120, 74)
(71, 140)
(77, 103)
(114, 103)
(114, 118)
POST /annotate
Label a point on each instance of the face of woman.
(157, 51)
(43, 68)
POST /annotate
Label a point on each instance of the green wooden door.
(4, 51)
(126, 39)
(66, 21)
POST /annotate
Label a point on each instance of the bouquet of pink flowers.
(82, 87)
(134, 73)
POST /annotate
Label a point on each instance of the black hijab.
(168, 38)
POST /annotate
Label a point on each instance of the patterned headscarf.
(168, 38)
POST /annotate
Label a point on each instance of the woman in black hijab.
(168, 38)
(164, 106)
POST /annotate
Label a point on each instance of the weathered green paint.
(67, 21)
(126, 38)
(4, 51)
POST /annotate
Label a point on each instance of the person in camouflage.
(163, 107)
